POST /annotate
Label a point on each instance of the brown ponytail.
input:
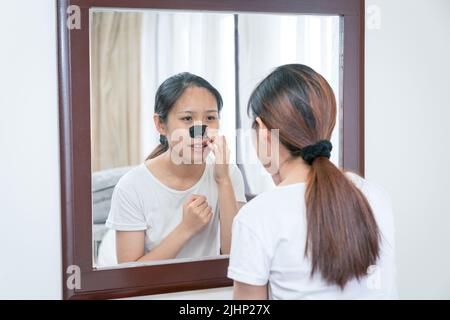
(342, 235)
(160, 149)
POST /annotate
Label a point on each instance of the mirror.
(132, 52)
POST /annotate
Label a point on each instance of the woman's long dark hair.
(167, 95)
(342, 235)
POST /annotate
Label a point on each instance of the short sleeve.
(249, 261)
(125, 213)
(238, 183)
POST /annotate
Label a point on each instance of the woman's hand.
(219, 147)
(196, 214)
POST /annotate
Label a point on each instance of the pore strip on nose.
(197, 131)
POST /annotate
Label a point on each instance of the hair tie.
(321, 148)
(162, 139)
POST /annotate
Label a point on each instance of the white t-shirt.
(268, 243)
(141, 202)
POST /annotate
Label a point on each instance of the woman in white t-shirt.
(321, 233)
(179, 203)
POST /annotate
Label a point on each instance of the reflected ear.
(159, 124)
(263, 131)
(260, 123)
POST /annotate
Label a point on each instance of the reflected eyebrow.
(193, 112)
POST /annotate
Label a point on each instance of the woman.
(321, 233)
(170, 205)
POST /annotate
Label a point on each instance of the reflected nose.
(197, 131)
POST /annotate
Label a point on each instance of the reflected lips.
(199, 131)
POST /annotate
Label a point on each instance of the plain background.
(407, 145)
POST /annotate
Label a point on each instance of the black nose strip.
(197, 131)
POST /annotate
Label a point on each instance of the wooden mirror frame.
(75, 141)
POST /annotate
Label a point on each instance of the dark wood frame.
(75, 148)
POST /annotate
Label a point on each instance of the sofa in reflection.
(103, 183)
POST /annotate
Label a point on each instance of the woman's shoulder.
(273, 203)
(381, 204)
(369, 187)
(131, 178)
(379, 200)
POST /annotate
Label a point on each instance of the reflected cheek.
(256, 146)
(179, 135)
(263, 152)
(213, 125)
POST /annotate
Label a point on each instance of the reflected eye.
(211, 118)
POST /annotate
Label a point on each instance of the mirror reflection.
(173, 156)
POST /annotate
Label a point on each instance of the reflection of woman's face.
(196, 106)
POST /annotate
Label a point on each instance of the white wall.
(408, 135)
(407, 83)
(29, 163)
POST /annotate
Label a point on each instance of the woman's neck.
(182, 171)
(293, 170)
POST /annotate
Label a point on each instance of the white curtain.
(115, 107)
(267, 41)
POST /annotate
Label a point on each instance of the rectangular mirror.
(134, 51)
(110, 71)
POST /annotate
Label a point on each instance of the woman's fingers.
(220, 149)
(212, 147)
(198, 201)
(207, 213)
(202, 207)
(208, 209)
(192, 197)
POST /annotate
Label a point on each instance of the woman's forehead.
(196, 110)
(196, 100)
